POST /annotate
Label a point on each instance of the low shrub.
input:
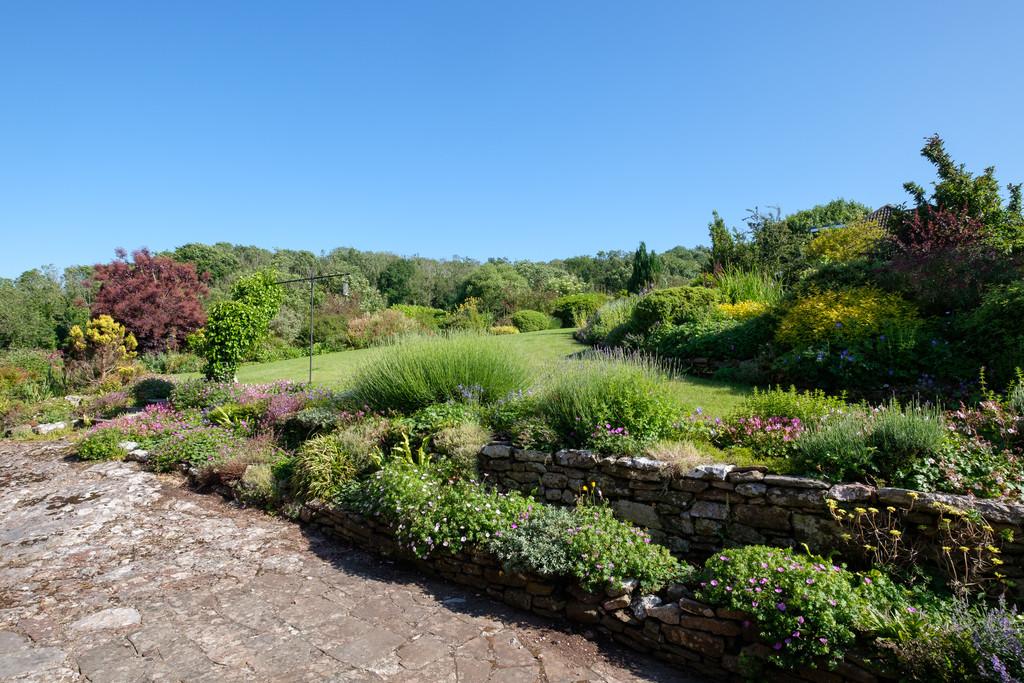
(151, 389)
(172, 362)
(237, 457)
(379, 327)
(974, 642)
(607, 552)
(429, 512)
(461, 444)
(806, 406)
(968, 467)
(609, 323)
(803, 605)
(196, 448)
(836, 448)
(533, 321)
(714, 338)
(199, 393)
(574, 309)
(743, 310)
(102, 444)
(504, 329)
(258, 486)
(842, 318)
(904, 435)
(608, 394)
(673, 306)
(768, 438)
(468, 317)
(308, 423)
(538, 543)
(430, 318)
(107, 405)
(435, 370)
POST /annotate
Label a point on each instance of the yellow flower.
(891, 509)
(894, 532)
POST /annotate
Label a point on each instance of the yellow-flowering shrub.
(101, 353)
(839, 245)
(504, 329)
(846, 316)
(743, 310)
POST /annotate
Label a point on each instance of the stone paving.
(111, 573)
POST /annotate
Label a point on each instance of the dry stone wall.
(672, 625)
(697, 512)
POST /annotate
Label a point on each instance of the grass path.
(542, 350)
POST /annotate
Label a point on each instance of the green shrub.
(847, 317)
(461, 444)
(850, 242)
(673, 306)
(533, 321)
(201, 394)
(539, 543)
(197, 448)
(325, 463)
(610, 323)
(307, 423)
(574, 309)
(715, 338)
(108, 405)
(151, 389)
(379, 327)
(806, 406)
(172, 362)
(606, 395)
(258, 485)
(102, 444)
(430, 513)
(435, 370)
(735, 285)
(836, 448)
(803, 605)
(996, 324)
(606, 552)
(902, 436)
(430, 318)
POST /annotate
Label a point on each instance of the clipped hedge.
(533, 321)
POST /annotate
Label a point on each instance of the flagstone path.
(111, 573)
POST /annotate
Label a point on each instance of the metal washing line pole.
(311, 279)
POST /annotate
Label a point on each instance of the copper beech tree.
(157, 298)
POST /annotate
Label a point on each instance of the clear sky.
(526, 129)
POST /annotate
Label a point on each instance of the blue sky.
(519, 129)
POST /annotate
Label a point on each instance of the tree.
(395, 281)
(156, 297)
(497, 285)
(216, 262)
(35, 312)
(973, 197)
(646, 267)
(234, 327)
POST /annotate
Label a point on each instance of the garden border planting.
(711, 507)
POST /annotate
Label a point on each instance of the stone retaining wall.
(698, 512)
(672, 626)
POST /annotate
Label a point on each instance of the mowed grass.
(543, 351)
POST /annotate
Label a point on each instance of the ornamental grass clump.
(465, 368)
(589, 400)
(325, 463)
(903, 435)
(836, 448)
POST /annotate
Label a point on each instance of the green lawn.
(543, 350)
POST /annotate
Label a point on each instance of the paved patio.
(111, 573)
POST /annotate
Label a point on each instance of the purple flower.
(781, 607)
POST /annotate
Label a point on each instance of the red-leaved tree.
(157, 298)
